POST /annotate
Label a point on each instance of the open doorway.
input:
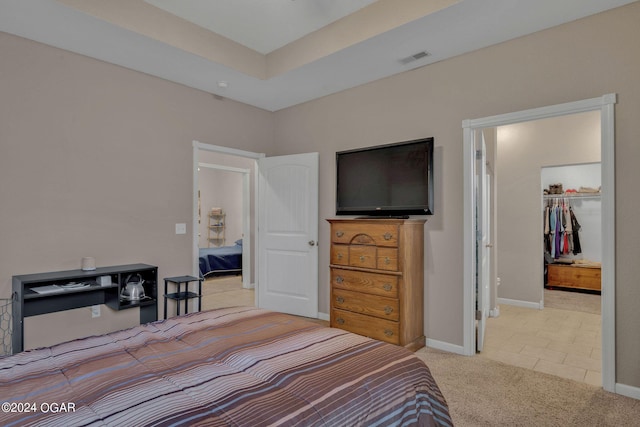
(548, 178)
(285, 190)
(224, 238)
(222, 200)
(604, 107)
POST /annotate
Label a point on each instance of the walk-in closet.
(572, 227)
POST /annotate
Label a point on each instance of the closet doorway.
(572, 217)
(604, 107)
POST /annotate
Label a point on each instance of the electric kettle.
(133, 289)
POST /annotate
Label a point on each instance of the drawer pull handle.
(362, 258)
(339, 279)
(340, 300)
(339, 233)
(340, 321)
(387, 286)
(387, 236)
(388, 332)
(339, 255)
(388, 310)
(387, 260)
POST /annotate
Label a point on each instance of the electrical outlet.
(95, 311)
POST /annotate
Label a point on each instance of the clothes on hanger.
(575, 228)
(561, 229)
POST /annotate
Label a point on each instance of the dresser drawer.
(387, 259)
(371, 283)
(372, 234)
(340, 254)
(363, 256)
(371, 305)
(373, 327)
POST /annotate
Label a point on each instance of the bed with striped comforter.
(228, 367)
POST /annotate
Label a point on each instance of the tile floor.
(228, 292)
(558, 342)
(225, 292)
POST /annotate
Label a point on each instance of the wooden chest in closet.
(377, 279)
(572, 276)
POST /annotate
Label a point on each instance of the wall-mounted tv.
(386, 180)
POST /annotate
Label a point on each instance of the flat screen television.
(386, 180)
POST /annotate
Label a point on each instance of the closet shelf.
(572, 196)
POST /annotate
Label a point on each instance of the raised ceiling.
(274, 54)
(263, 26)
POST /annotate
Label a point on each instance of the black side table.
(182, 296)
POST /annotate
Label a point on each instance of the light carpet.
(483, 392)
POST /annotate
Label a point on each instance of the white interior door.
(288, 234)
(483, 266)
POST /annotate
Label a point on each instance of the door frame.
(247, 241)
(605, 104)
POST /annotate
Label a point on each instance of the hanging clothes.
(563, 248)
(558, 233)
(575, 226)
(547, 240)
(552, 232)
(568, 231)
(560, 228)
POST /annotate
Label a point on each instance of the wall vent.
(414, 57)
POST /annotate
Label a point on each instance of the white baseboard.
(323, 316)
(445, 346)
(518, 303)
(629, 391)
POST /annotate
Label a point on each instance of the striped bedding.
(241, 366)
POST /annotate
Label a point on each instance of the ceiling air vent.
(414, 57)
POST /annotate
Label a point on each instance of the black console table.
(54, 293)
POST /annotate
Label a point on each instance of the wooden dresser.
(377, 279)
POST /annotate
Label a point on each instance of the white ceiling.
(462, 27)
(262, 25)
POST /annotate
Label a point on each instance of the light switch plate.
(181, 228)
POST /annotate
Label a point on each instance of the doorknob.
(312, 243)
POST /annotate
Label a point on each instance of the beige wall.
(523, 150)
(579, 60)
(96, 159)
